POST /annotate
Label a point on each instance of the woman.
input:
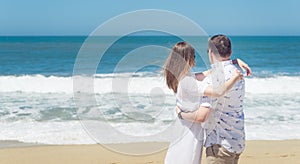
(186, 147)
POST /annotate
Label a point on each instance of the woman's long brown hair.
(179, 62)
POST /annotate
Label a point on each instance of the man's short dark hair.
(220, 44)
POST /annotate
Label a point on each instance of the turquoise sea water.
(268, 56)
(37, 103)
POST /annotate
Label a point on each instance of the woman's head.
(179, 63)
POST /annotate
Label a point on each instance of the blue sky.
(78, 17)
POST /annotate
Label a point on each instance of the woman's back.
(186, 147)
(189, 93)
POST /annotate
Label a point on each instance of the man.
(225, 135)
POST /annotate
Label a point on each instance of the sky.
(79, 17)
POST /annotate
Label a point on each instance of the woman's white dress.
(186, 146)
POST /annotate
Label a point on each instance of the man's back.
(228, 113)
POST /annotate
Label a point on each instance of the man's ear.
(211, 56)
(230, 54)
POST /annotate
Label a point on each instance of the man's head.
(219, 48)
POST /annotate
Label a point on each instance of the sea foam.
(134, 84)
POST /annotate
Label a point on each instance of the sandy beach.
(257, 152)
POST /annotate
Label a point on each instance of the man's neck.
(221, 60)
(225, 59)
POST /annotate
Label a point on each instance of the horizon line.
(258, 35)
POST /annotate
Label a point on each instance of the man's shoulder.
(229, 66)
(229, 70)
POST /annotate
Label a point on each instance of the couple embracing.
(209, 105)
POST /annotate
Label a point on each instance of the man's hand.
(244, 66)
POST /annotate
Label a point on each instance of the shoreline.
(257, 151)
(17, 144)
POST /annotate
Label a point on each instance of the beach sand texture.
(257, 152)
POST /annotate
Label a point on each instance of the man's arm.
(202, 75)
(243, 65)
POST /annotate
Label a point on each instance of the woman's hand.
(244, 66)
(177, 110)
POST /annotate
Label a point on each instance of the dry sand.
(257, 152)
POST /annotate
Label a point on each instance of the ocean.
(38, 104)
